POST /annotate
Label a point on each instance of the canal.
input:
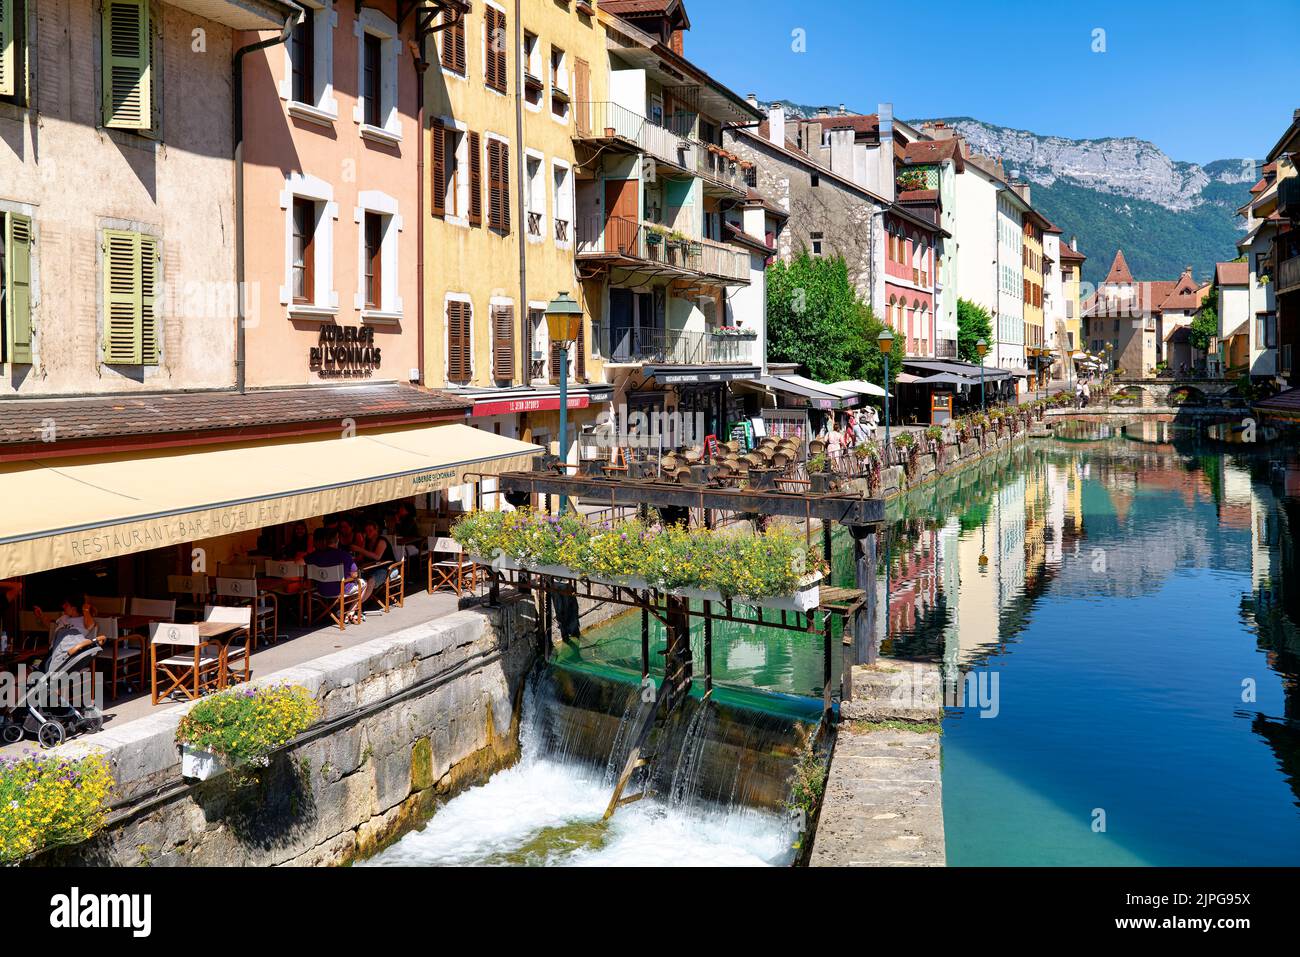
(1124, 601)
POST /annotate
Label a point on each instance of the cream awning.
(58, 512)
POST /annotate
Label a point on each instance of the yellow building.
(1036, 357)
(1071, 276)
(502, 95)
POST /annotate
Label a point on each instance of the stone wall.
(408, 720)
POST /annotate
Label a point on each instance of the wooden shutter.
(555, 362)
(580, 351)
(122, 298)
(475, 180)
(498, 185)
(494, 60)
(503, 168)
(438, 170)
(503, 343)
(149, 325)
(582, 94)
(453, 45)
(126, 56)
(8, 50)
(18, 287)
(459, 343)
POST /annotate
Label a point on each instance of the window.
(494, 49)
(537, 343)
(377, 49)
(302, 55)
(563, 198)
(304, 251)
(371, 70)
(816, 180)
(559, 84)
(127, 58)
(373, 237)
(503, 342)
(131, 328)
(16, 288)
(460, 341)
(532, 69)
(498, 155)
(453, 43)
(816, 243)
(13, 51)
(535, 196)
(456, 171)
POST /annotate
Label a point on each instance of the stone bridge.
(1175, 393)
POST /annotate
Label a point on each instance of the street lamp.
(563, 326)
(886, 342)
(981, 347)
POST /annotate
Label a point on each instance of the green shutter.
(122, 298)
(149, 332)
(8, 49)
(18, 287)
(126, 55)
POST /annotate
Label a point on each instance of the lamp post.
(886, 342)
(563, 326)
(981, 347)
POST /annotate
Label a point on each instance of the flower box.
(199, 765)
(804, 599)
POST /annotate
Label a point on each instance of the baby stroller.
(40, 713)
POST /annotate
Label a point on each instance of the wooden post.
(708, 647)
(645, 638)
(828, 669)
(864, 624)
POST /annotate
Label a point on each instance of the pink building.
(332, 197)
(910, 243)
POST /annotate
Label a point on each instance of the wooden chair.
(266, 607)
(444, 572)
(125, 654)
(192, 592)
(192, 673)
(107, 605)
(338, 608)
(232, 648)
(395, 582)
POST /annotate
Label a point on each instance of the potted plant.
(241, 727)
(820, 475)
(48, 800)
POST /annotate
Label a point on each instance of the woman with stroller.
(71, 630)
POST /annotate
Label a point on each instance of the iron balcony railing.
(670, 140)
(627, 238)
(625, 342)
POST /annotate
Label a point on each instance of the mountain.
(1120, 192)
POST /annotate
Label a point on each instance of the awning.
(807, 393)
(956, 367)
(944, 378)
(685, 374)
(58, 512)
(505, 402)
(861, 387)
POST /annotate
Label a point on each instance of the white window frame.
(562, 81)
(545, 360)
(390, 303)
(325, 109)
(376, 24)
(446, 335)
(535, 192)
(560, 208)
(527, 62)
(461, 215)
(325, 299)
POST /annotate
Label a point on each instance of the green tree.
(973, 324)
(812, 315)
(1205, 326)
(865, 359)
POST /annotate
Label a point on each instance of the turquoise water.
(1138, 610)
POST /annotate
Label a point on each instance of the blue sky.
(1202, 80)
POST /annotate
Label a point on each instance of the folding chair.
(107, 605)
(338, 608)
(231, 648)
(395, 581)
(191, 673)
(294, 584)
(192, 594)
(266, 608)
(448, 571)
(125, 655)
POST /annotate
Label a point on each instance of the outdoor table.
(217, 631)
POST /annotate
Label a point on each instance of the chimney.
(1295, 115)
(1074, 243)
(885, 155)
(752, 100)
(776, 124)
(822, 111)
(843, 111)
(676, 43)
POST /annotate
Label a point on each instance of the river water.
(1125, 606)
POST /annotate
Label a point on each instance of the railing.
(620, 236)
(1288, 275)
(645, 344)
(561, 230)
(535, 224)
(731, 349)
(670, 141)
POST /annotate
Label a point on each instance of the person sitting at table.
(70, 629)
(328, 554)
(347, 534)
(298, 544)
(375, 548)
(405, 525)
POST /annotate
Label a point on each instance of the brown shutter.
(498, 155)
(580, 353)
(503, 343)
(458, 38)
(555, 362)
(438, 174)
(505, 187)
(582, 94)
(475, 180)
(459, 342)
(494, 59)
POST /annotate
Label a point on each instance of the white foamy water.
(547, 811)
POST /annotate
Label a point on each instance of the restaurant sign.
(530, 404)
(344, 352)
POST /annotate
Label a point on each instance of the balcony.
(1288, 275)
(1288, 198)
(636, 245)
(637, 344)
(615, 127)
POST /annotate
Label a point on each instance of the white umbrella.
(861, 387)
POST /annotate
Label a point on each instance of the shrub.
(934, 433)
(904, 440)
(244, 725)
(819, 463)
(46, 801)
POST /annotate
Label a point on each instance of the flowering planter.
(806, 597)
(199, 765)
